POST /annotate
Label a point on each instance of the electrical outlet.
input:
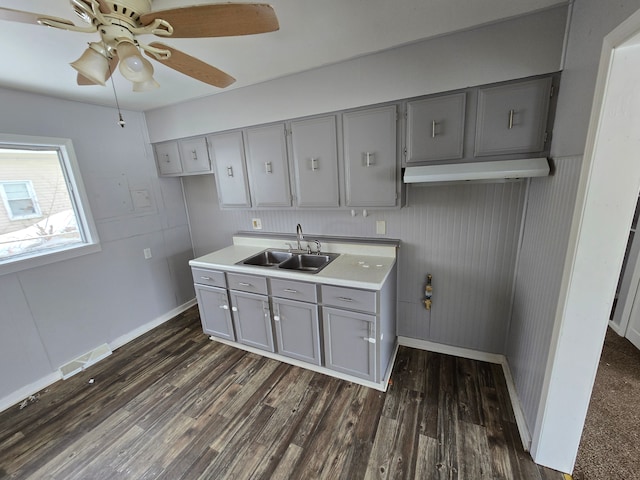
(256, 223)
(381, 227)
(147, 253)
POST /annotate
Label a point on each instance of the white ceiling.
(312, 33)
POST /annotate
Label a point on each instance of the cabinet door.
(370, 157)
(168, 158)
(435, 128)
(297, 330)
(215, 314)
(194, 156)
(252, 319)
(350, 342)
(268, 166)
(512, 118)
(227, 155)
(315, 160)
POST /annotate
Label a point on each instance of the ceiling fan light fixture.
(145, 86)
(133, 66)
(93, 64)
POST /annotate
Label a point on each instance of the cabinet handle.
(369, 159)
(234, 309)
(276, 318)
(267, 167)
(224, 307)
(314, 164)
(206, 278)
(433, 129)
(290, 290)
(229, 171)
(369, 339)
(194, 154)
(243, 284)
(511, 112)
(345, 299)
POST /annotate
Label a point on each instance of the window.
(19, 200)
(46, 216)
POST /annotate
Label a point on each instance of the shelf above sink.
(299, 262)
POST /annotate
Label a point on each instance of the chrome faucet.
(299, 236)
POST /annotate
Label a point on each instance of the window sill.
(13, 266)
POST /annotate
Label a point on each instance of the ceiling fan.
(119, 22)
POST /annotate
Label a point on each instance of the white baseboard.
(525, 435)
(25, 392)
(141, 330)
(42, 383)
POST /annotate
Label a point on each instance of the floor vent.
(75, 366)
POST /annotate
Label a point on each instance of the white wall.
(52, 314)
(530, 45)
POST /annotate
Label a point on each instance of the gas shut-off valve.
(428, 292)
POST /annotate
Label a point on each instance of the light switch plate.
(256, 223)
(381, 227)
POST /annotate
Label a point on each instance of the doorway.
(605, 204)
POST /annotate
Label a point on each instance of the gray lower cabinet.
(348, 330)
(370, 157)
(268, 166)
(297, 330)
(215, 312)
(314, 149)
(435, 128)
(227, 156)
(252, 319)
(512, 118)
(350, 342)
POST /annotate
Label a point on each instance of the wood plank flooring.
(173, 405)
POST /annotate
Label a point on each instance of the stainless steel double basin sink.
(299, 262)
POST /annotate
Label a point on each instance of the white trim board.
(25, 392)
(523, 429)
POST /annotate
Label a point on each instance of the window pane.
(39, 213)
(16, 191)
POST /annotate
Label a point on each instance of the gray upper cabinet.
(512, 118)
(268, 167)
(370, 157)
(183, 157)
(194, 156)
(168, 158)
(435, 128)
(315, 160)
(227, 156)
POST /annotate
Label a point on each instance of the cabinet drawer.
(351, 298)
(208, 277)
(305, 292)
(247, 283)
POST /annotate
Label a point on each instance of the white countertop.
(368, 269)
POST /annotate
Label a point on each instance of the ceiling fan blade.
(192, 67)
(217, 20)
(113, 63)
(29, 17)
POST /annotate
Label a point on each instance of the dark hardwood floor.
(174, 405)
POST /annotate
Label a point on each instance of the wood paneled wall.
(466, 236)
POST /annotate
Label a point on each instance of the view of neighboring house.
(36, 209)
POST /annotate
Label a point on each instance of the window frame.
(32, 196)
(79, 200)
